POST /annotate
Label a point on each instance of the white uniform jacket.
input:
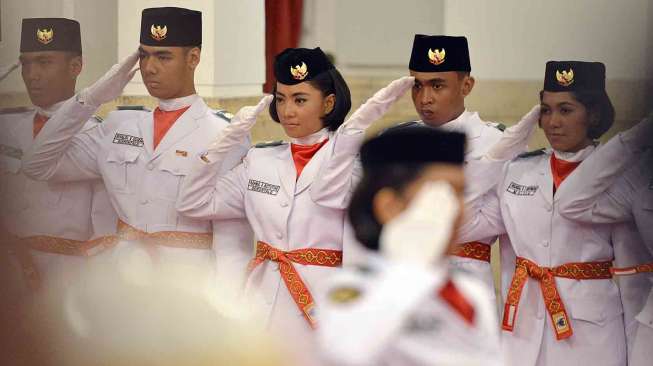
(68, 210)
(142, 182)
(523, 206)
(284, 212)
(388, 313)
(607, 194)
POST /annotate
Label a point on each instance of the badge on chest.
(521, 190)
(124, 139)
(262, 187)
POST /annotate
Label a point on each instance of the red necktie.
(302, 154)
(560, 169)
(163, 120)
(39, 122)
(450, 294)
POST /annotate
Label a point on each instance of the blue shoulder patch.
(531, 154)
(13, 110)
(261, 145)
(132, 108)
(224, 115)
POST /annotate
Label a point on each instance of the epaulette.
(224, 115)
(499, 126)
(400, 126)
(12, 110)
(97, 119)
(264, 144)
(132, 108)
(531, 153)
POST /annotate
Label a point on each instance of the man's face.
(439, 97)
(166, 71)
(49, 76)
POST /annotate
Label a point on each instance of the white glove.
(515, 138)
(378, 104)
(239, 127)
(639, 137)
(110, 86)
(6, 70)
(422, 233)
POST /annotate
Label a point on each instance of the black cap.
(574, 76)
(415, 144)
(171, 27)
(296, 65)
(439, 54)
(50, 34)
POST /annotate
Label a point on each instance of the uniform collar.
(177, 103)
(312, 139)
(49, 111)
(574, 156)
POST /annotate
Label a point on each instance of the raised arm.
(61, 151)
(340, 172)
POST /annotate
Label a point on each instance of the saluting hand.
(111, 85)
(379, 103)
(515, 138)
(6, 70)
(240, 124)
(421, 234)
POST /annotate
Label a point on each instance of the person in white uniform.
(143, 157)
(441, 67)
(48, 227)
(615, 185)
(294, 195)
(561, 306)
(401, 305)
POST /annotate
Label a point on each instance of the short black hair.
(361, 211)
(599, 110)
(328, 82)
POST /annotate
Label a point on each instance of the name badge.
(123, 139)
(262, 187)
(521, 190)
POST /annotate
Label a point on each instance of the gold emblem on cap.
(159, 33)
(299, 72)
(45, 36)
(436, 57)
(565, 78)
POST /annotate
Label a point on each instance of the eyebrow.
(293, 95)
(156, 53)
(432, 81)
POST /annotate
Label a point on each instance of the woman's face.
(300, 108)
(565, 121)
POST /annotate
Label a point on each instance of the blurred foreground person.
(402, 305)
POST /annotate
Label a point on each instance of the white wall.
(233, 44)
(513, 39)
(98, 25)
(368, 36)
(233, 50)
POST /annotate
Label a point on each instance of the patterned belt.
(294, 283)
(626, 271)
(174, 239)
(474, 250)
(525, 268)
(20, 248)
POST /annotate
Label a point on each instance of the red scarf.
(163, 120)
(302, 154)
(560, 169)
(39, 122)
(450, 294)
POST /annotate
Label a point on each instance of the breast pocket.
(172, 169)
(120, 169)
